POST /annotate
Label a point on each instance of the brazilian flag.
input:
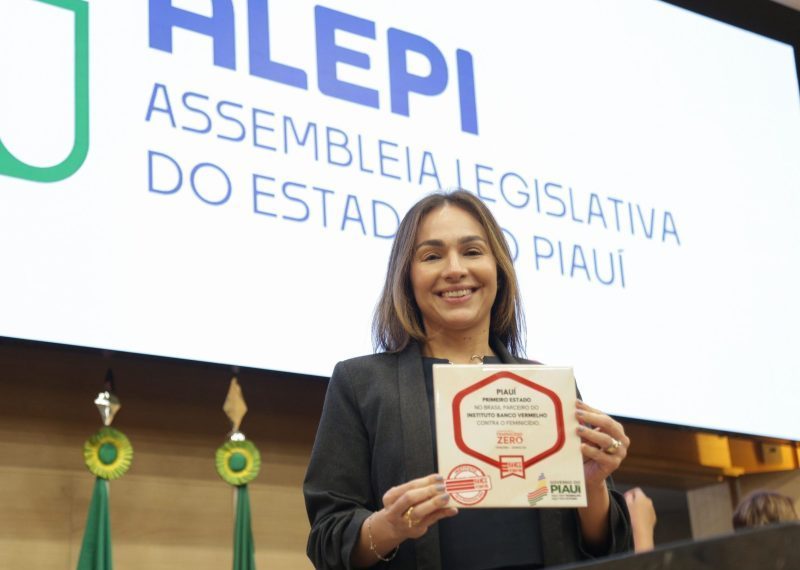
(96, 548)
(244, 550)
(238, 463)
(108, 455)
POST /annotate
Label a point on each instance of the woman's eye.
(473, 252)
(430, 257)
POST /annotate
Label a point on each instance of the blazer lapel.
(417, 436)
(414, 414)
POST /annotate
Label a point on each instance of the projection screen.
(220, 181)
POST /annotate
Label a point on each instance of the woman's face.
(453, 273)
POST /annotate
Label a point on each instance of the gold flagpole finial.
(235, 407)
(107, 401)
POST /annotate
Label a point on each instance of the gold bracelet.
(372, 544)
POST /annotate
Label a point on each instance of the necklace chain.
(478, 357)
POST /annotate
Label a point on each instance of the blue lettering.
(563, 210)
(525, 195)
(214, 168)
(159, 88)
(151, 155)
(205, 129)
(669, 228)
(630, 217)
(648, 232)
(616, 202)
(546, 251)
(401, 81)
(597, 269)
(258, 193)
(595, 210)
(361, 166)
(466, 92)
(479, 182)
(572, 208)
(329, 54)
(577, 251)
(311, 129)
(220, 27)
(258, 127)
(353, 200)
(427, 159)
(324, 197)
(285, 190)
(331, 144)
(396, 224)
(242, 131)
(383, 158)
(261, 64)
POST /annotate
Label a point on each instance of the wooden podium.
(766, 548)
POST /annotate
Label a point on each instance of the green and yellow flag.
(244, 549)
(238, 462)
(96, 547)
(108, 455)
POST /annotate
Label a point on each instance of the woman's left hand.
(604, 444)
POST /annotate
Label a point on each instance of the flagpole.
(238, 462)
(108, 455)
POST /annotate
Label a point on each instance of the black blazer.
(375, 433)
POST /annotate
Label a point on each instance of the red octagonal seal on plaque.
(533, 452)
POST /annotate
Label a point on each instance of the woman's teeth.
(459, 293)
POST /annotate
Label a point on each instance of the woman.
(371, 489)
(762, 508)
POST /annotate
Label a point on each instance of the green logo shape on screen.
(11, 165)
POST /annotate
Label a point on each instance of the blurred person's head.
(762, 508)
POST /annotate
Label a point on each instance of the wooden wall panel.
(171, 510)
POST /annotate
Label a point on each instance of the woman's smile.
(456, 294)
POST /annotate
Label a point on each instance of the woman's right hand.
(411, 508)
(408, 511)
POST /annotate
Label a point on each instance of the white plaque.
(506, 435)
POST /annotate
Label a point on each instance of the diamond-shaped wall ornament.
(108, 405)
(234, 406)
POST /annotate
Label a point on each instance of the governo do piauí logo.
(10, 165)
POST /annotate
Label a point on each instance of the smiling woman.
(372, 489)
(399, 319)
(454, 279)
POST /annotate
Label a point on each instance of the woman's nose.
(455, 268)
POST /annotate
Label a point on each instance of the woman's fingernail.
(444, 499)
(440, 488)
(438, 477)
(580, 412)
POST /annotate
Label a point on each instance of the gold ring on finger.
(410, 520)
(615, 445)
